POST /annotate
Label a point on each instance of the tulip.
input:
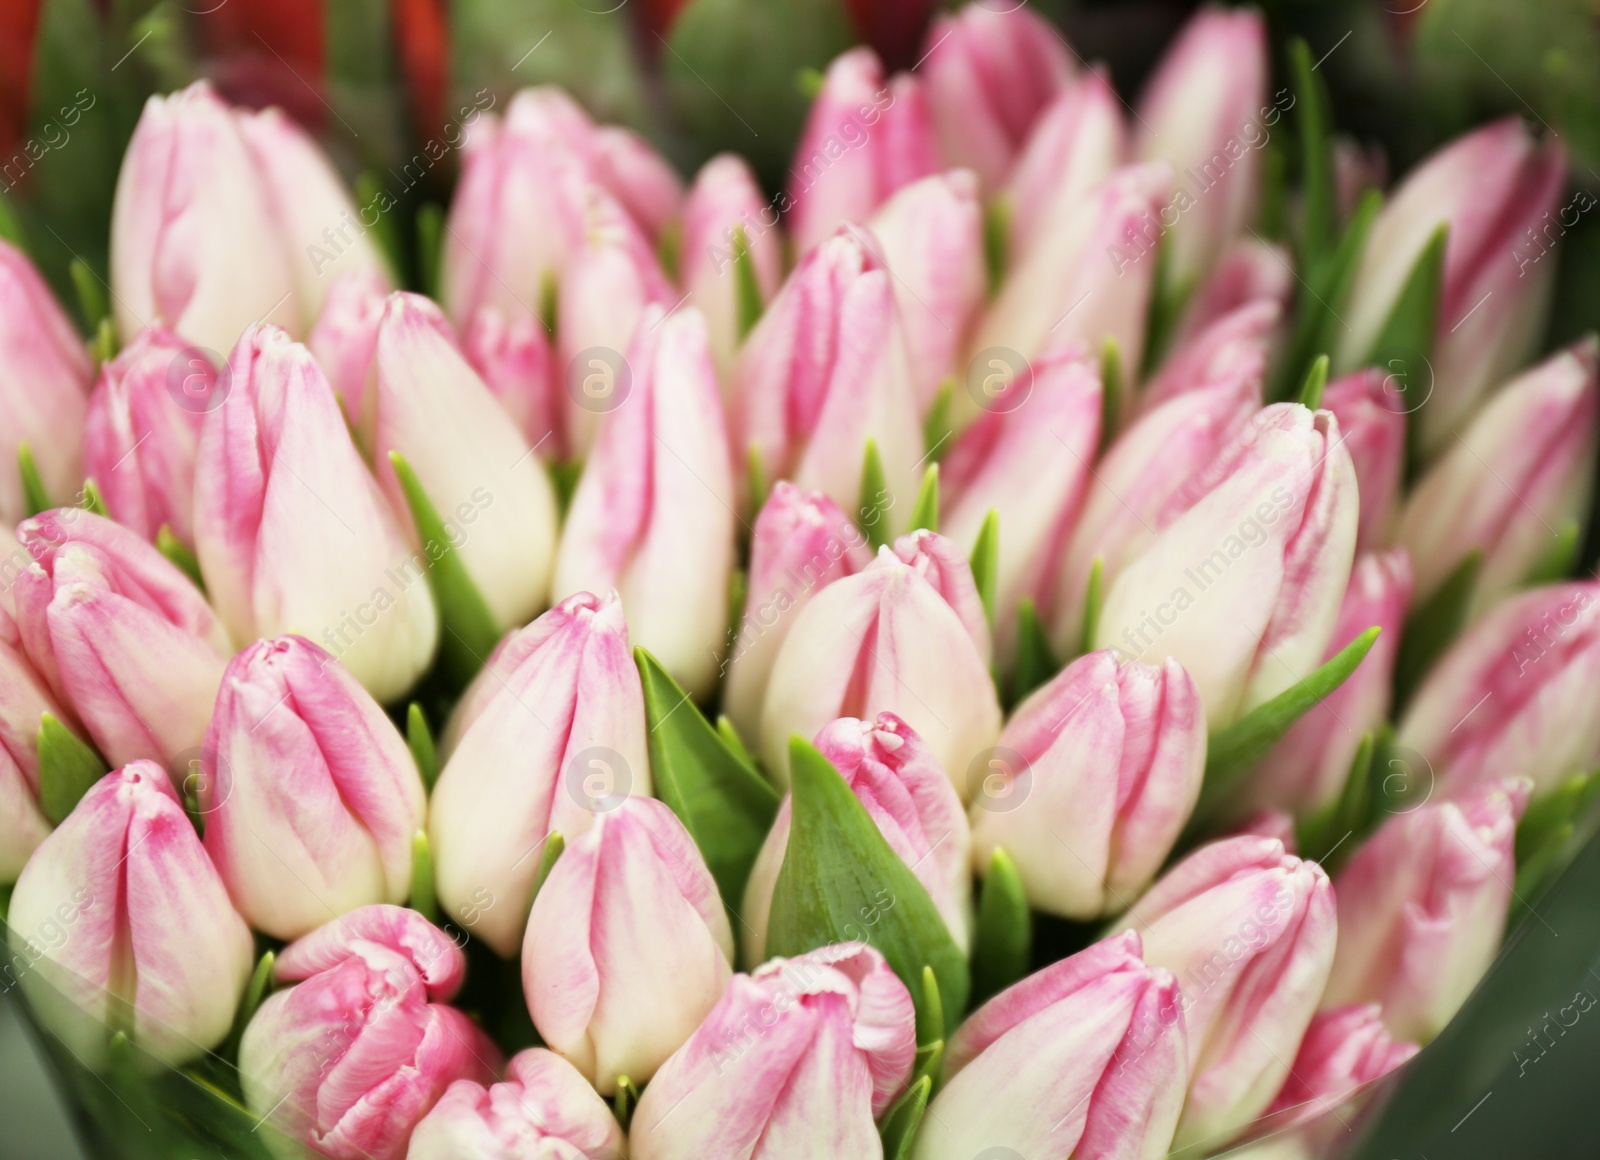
(905, 636)
(1234, 346)
(825, 371)
(543, 1108)
(910, 800)
(141, 435)
(653, 513)
(1373, 422)
(345, 336)
(1513, 694)
(557, 712)
(864, 139)
(1103, 764)
(14, 560)
(1249, 932)
(23, 700)
(989, 74)
(1522, 470)
(120, 635)
(1076, 143)
(291, 530)
(363, 1045)
(798, 1058)
(800, 544)
(930, 236)
(1280, 503)
(1308, 767)
(472, 462)
(44, 385)
(1204, 112)
(1494, 188)
(628, 946)
(1247, 271)
(1422, 907)
(512, 355)
(126, 926)
(726, 197)
(1084, 1058)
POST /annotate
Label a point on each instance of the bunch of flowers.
(900, 668)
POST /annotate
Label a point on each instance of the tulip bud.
(1248, 271)
(345, 336)
(1249, 932)
(141, 435)
(637, 176)
(653, 513)
(121, 636)
(513, 356)
(1422, 907)
(44, 384)
(1513, 695)
(800, 544)
(1522, 470)
(1494, 188)
(905, 636)
(989, 74)
(126, 926)
(543, 1107)
(23, 699)
(472, 462)
(1261, 555)
(552, 735)
(14, 560)
(726, 197)
(351, 1057)
(1075, 144)
(1103, 764)
(797, 1058)
(1083, 1058)
(910, 800)
(1344, 1051)
(1234, 346)
(827, 369)
(1307, 769)
(1373, 423)
(628, 946)
(931, 239)
(864, 138)
(1203, 112)
(291, 530)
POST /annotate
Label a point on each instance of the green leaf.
(175, 550)
(103, 346)
(564, 477)
(424, 899)
(808, 82)
(1110, 391)
(669, 249)
(1433, 626)
(872, 503)
(93, 501)
(34, 496)
(1547, 815)
(1002, 938)
(625, 1101)
(930, 1012)
(756, 480)
(468, 629)
(996, 240)
(10, 230)
(91, 294)
(904, 1117)
(550, 301)
(1168, 297)
(840, 881)
(1316, 381)
(726, 806)
(554, 846)
(420, 738)
(936, 429)
(67, 768)
(430, 248)
(747, 290)
(1321, 298)
(1404, 347)
(255, 991)
(371, 200)
(1324, 834)
(986, 562)
(1093, 601)
(1561, 560)
(736, 746)
(1319, 203)
(1036, 661)
(926, 512)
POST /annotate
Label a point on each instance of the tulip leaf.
(430, 248)
(1546, 815)
(91, 294)
(373, 200)
(757, 484)
(564, 477)
(1324, 833)
(926, 512)
(1318, 200)
(554, 846)
(420, 738)
(669, 250)
(67, 768)
(1036, 660)
(34, 495)
(10, 230)
(841, 882)
(468, 632)
(625, 1101)
(424, 899)
(1316, 382)
(1404, 347)
(175, 550)
(1433, 626)
(936, 429)
(1111, 390)
(255, 992)
(747, 290)
(996, 240)
(873, 501)
(1561, 560)
(735, 743)
(1168, 297)
(92, 501)
(1325, 286)
(1093, 600)
(904, 1117)
(722, 801)
(930, 1012)
(1002, 938)
(986, 562)
(103, 344)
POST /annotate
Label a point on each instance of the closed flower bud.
(126, 926)
(551, 735)
(345, 336)
(513, 355)
(727, 197)
(1084, 1058)
(637, 176)
(1372, 419)
(798, 1058)
(1248, 271)
(1075, 144)
(23, 699)
(1232, 347)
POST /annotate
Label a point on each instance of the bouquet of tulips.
(1042, 639)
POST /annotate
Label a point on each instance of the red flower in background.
(19, 21)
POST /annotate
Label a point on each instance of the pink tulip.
(989, 74)
(1091, 783)
(1496, 189)
(350, 1058)
(1083, 1058)
(653, 514)
(1249, 932)
(1513, 695)
(726, 196)
(910, 800)
(637, 176)
(543, 1107)
(291, 530)
(134, 926)
(798, 1058)
(23, 700)
(628, 946)
(550, 735)
(345, 336)
(1345, 1050)
(513, 356)
(1422, 907)
(864, 139)
(143, 431)
(120, 635)
(1234, 347)
(801, 543)
(1247, 271)
(1076, 143)
(44, 384)
(1372, 419)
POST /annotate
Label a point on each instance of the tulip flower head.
(725, 198)
(23, 700)
(1372, 416)
(1345, 1049)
